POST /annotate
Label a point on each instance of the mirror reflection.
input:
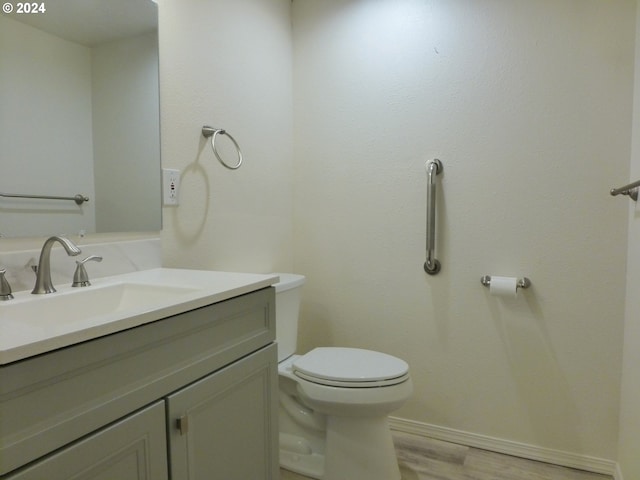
(79, 114)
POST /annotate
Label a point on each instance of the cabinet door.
(134, 448)
(224, 427)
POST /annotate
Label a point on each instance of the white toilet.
(334, 402)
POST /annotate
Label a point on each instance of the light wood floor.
(426, 459)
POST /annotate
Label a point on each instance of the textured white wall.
(528, 105)
(45, 131)
(630, 402)
(228, 64)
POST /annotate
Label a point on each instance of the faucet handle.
(5, 288)
(80, 277)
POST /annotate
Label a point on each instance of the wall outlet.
(170, 186)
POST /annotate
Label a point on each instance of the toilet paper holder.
(523, 282)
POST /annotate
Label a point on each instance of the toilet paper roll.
(504, 286)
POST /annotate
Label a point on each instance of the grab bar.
(79, 198)
(631, 190)
(434, 167)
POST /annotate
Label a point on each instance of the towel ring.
(213, 133)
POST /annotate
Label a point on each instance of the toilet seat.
(350, 368)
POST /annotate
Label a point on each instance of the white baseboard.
(508, 447)
(618, 473)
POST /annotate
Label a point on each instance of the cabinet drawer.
(50, 400)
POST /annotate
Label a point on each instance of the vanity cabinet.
(189, 396)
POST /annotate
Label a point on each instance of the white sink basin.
(81, 305)
(34, 324)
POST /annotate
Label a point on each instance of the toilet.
(334, 402)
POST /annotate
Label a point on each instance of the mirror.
(79, 114)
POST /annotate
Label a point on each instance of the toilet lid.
(350, 367)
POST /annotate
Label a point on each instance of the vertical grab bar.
(434, 167)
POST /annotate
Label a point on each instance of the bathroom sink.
(34, 324)
(58, 311)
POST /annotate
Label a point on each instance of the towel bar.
(79, 198)
(631, 190)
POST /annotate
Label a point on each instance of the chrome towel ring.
(213, 133)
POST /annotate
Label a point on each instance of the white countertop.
(21, 338)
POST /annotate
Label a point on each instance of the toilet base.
(360, 448)
(297, 456)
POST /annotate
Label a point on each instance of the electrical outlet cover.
(170, 186)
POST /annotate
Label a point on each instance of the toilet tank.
(288, 291)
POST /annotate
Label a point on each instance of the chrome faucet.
(5, 288)
(43, 278)
(80, 277)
